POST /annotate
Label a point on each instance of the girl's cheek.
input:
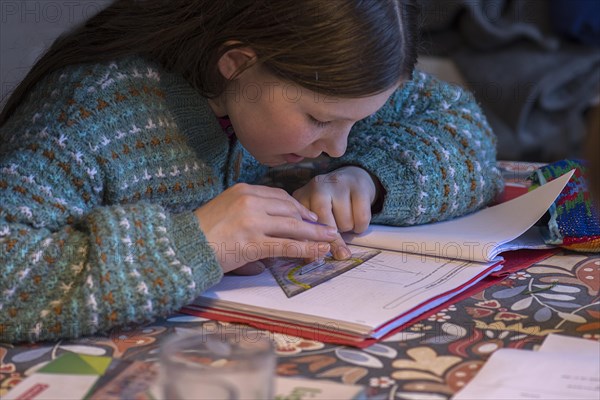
(308, 137)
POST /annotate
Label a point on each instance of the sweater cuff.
(399, 185)
(194, 250)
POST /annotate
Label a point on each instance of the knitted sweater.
(103, 164)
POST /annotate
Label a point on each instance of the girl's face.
(280, 123)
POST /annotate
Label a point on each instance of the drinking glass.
(224, 365)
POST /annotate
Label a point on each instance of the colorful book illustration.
(296, 276)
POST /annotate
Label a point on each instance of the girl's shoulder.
(427, 88)
(80, 80)
(423, 93)
(94, 85)
(81, 99)
(126, 64)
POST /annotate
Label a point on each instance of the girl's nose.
(336, 143)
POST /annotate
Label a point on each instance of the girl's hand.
(343, 199)
(246, 223)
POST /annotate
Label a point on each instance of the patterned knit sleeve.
(433, 151)
(70, 265)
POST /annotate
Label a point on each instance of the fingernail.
(331, 231)
(344, 253)
(313, 216)
(324, 247)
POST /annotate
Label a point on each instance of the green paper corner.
(77, 364)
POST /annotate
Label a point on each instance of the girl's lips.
(292, 158)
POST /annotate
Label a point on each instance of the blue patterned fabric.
(573, 219)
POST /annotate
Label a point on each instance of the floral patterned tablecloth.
(429, 360)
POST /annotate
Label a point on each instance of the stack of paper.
(564, 368)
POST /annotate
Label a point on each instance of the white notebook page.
(381, 289)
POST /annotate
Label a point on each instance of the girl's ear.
(235, 60)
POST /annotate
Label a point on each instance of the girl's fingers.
(322, 206)
(343, 218)
(339, 249)
(282, 208)
(324, 209)
(297, 249)
(342, 212)
(361, 212)
(251, 252)
(251, 268)
(280, 194)
(286, 227)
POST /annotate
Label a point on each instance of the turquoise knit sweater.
(102, 166)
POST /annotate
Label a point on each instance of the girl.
(130, 153)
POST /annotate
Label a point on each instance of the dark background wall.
(27, 27)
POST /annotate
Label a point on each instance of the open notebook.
(418, 269)
(480, 236)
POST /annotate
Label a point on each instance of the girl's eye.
(320, 124)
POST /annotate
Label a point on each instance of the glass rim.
(191, 342)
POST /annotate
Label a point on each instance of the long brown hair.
(345, 48)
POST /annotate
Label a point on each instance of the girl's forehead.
(350, 109)
(327, 107)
